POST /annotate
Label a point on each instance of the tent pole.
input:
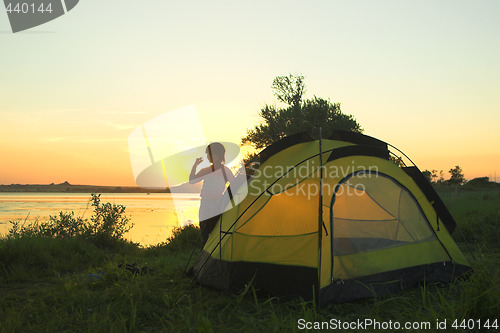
(191, 255)
(466, 243)
(320, 218)
(220, 254)
(254, 201)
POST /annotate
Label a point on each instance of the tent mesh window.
(373, 212)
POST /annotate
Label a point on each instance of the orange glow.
(423, 80)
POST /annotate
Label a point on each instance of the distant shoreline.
(69, 188)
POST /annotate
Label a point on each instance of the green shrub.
(107, 224)
(184, 238)
(108, 221)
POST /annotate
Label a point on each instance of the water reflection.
(154, 216)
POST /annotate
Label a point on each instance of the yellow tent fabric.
(377, 225)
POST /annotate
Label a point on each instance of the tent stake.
(191, 255)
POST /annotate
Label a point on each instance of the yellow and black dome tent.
(333, 220)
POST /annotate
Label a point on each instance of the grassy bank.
(77, 278)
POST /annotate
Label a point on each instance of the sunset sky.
(421, 75)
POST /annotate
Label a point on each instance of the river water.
(154, 215)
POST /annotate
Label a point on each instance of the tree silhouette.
(298, 115)
(457, 176)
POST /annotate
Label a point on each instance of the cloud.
(126, 112)
(81, 139)
(118, 126)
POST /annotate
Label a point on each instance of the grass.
(476, 212)
(82, 283)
